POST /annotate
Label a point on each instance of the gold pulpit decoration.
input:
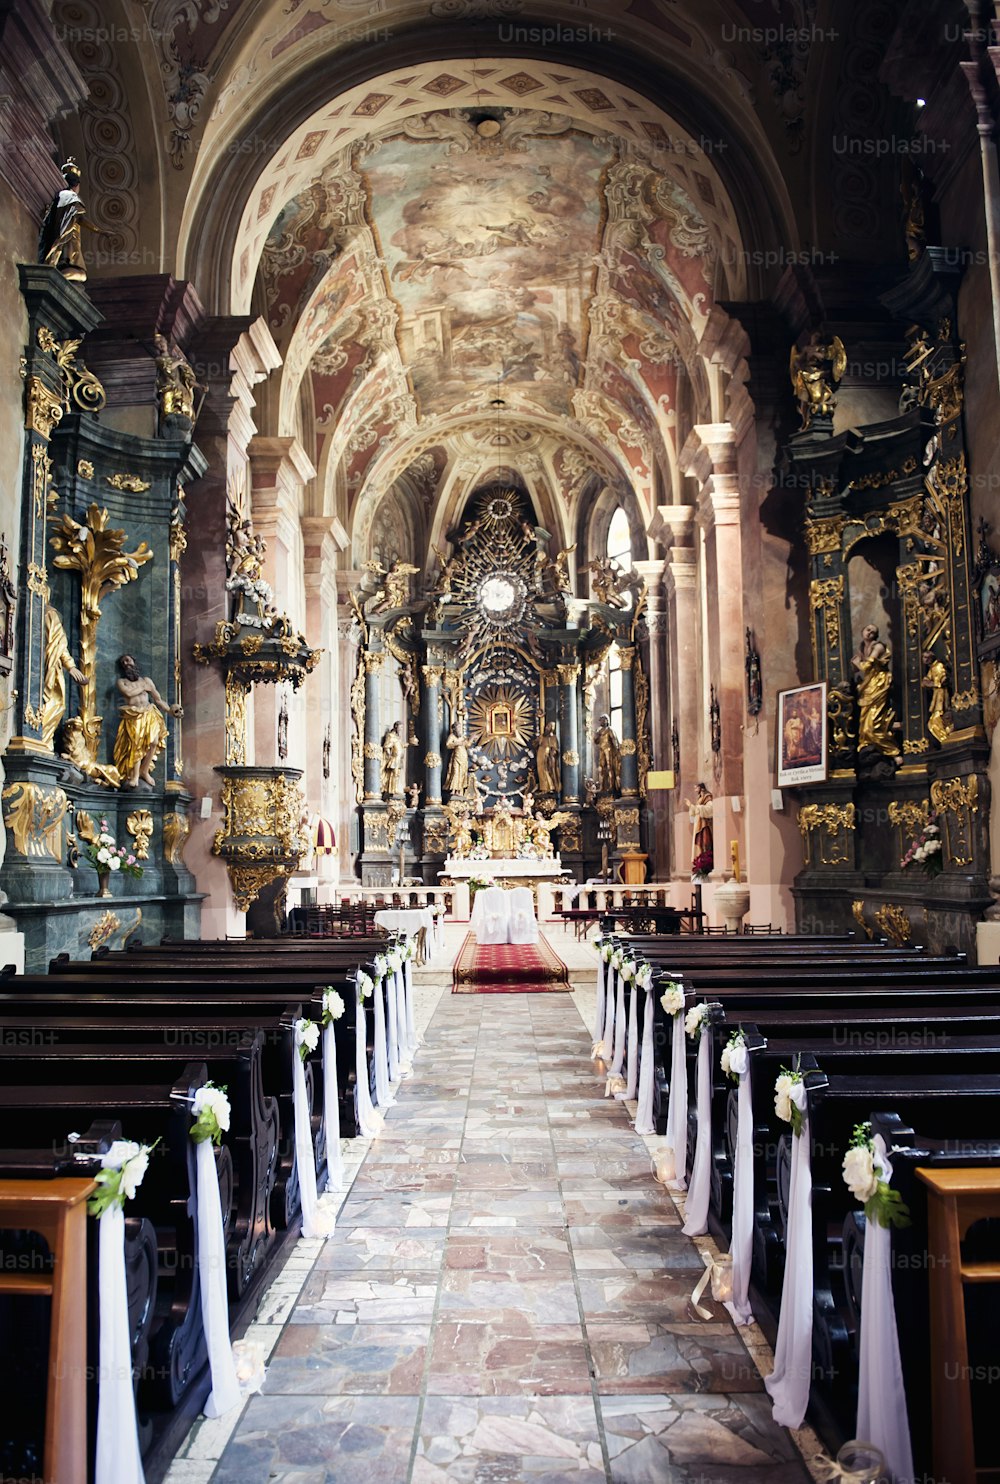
(98, 554)
(261, 837)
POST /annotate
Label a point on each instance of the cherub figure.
(815, 372)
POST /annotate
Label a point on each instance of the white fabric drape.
(741, 1245)
(632, 1059)
(331, 1112)
(314, 1222)
(404, 1064)
(644, 1112)
(367, 1123)
(677, 1104)
(392, 1031)
(411, 1033)
(608, 1033)
(599, 1012)
(882, 1416)
(118, 1460)
(621, 1028)
(788, 1383)
(523, 923)
(225, 1393)
(696, 1210)
(383, 1093)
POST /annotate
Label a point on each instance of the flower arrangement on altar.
(480, 883)
(104, 855)
(926, 850)
(867, 1179)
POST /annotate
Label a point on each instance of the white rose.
(121, 1151)
(115, 863)
(215, 1100)
(725, 1060)
(381, 964)
(307, 1034)
(693, 1019)
(931, 846)
(920, 853)
(859, 1173)
(103, 856)
(739, 1059)
(133, 1173)
(333, 1004)
(672, 999)
(105, 839)
(628, 970)
(782, 1098)
(365, 985)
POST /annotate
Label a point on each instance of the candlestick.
(734, 851)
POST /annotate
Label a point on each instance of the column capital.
(673, 525)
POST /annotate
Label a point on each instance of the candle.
(734, 851)
(722, 1278)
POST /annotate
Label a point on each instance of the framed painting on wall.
(802, 735)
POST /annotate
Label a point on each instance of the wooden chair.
(57, 1209)
(956, 1199)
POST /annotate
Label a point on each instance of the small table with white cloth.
(413, 921)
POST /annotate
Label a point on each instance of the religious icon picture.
(989, 612)
(802, 735)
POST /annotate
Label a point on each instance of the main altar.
(475, 749)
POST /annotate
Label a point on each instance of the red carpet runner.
(508, 968)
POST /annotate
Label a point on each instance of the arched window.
(619, 549)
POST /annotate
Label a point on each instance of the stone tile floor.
(506, 1294)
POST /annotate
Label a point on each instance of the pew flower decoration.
(644, 976)
(366, 985)
(672, 1000)
(628, 969)
(607, 950)
(696, 1020)
(122, 1171)
(616, 960)
(306, 1036)
(381, 965)
(790, 1099)
(864, 1176)
(104, 855)
(212, 1114)
(925, 850)
(734, 1056)
(333, 1006)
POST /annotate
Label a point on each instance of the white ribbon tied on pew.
(225, 1393)
(608, 1032)
(331, 1112)
(392, 1026)
(741, 1245)
(315, 1223)
(788, 1383)
(411, 1033)
(599, 1013)
(696, 1209)
(882, 1416)
(677, 1104)
(118, 1460)
(367, 1122)
(382, 1091)
(644, 1112)
(404, 1060)
(632, 1060)
(621, 1028)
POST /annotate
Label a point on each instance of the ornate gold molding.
(130, 482)
(432, 760)
(374, 660)
(911, 815)
(568, 674)
(836, 822)
(103, 930)
(236, 721)
(957, 800)
(34, 815)
(571, 757)
(140, 826)
(628, 747)
(893, 921)
(176, 829)
(626, 655)
(44, 409)
(858, 912)
(84, 469)
(827, 593)
(80, 386)
(432, 674)
(372, 751)
(824, 535)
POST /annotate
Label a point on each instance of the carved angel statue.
(393, 590)
(606, 581)
(175, 381)
(815, 372)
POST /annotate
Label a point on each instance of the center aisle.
(505, 1297)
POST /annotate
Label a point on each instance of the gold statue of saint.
(59, 244)
(547, 760)
(609, 759)
(58, 662)
(939, 722)
(877, 721)
(74, 750)
(457, 781)
(392, 762)
(175, 381)
(815, 372)
(142, 732)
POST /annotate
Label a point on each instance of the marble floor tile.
(523, 1256)
(366, 1298)
(345, 1359)
(341, 1439)
(634, 1248)
(377, 1249)
(508, 1356)
(475, 1440)
(479, 1296)
(694, 1439)
(633, 1355)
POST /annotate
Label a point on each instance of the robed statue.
(457, 779)
(702, 839)
(392, 762)
(142, 732)
(609, 759)
(58, 663)
(877, 725)
(547, 760)
(59, 243)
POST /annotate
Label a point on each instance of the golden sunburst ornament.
(500, 720)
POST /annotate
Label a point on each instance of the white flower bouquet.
(790, 1099)
(696, 1020)
(212, 1114)
(864, 1176)
(333, 1006)
(672, 999)
(122, 1171)
(306, 1036)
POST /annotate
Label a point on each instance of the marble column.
(431, 708)
(323, 537)
(630, 760)
(373, 661)
(683, 622)
(231, 357)
(569, 681)
(658, 802)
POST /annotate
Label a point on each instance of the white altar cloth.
(461, 868)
